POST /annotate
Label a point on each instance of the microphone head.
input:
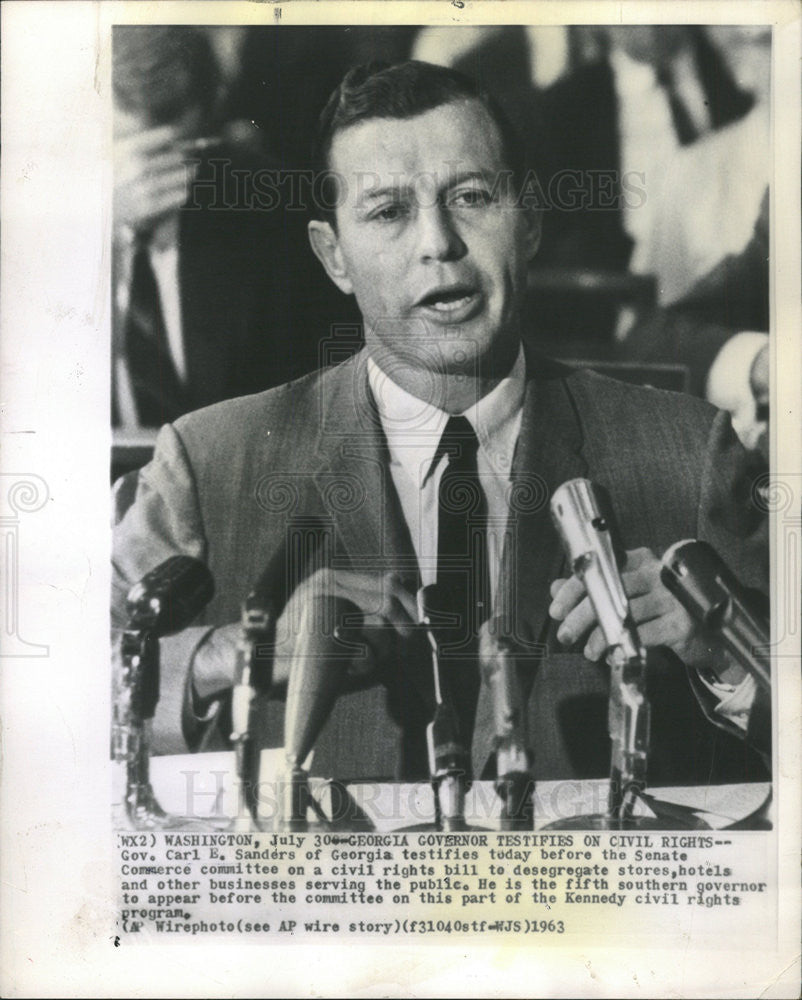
(318, 673)
(583, 516)
(582, 512)
(697, 576)
(170, 596)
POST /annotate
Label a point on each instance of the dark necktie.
(157, 388)
(463, 583)
(684, 127)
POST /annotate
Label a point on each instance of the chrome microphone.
(711, 593)
(583, 515)
(513, 760)
(164, 601)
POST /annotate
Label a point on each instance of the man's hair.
(401, 90)
(160, 72)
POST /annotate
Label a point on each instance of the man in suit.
(212, 291)
(427, 234)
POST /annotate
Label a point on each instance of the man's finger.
(596, 646)
(672, 630)
(567, 597)
(641, 581)
(650, 606)
(577, 623)
(146, 141)
(638, 557)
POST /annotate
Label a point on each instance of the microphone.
(168, 597)
(514, 775)
(318, 675)
(449, 765)
(710, 592)
(583, 515)
(253, 670)
(164, 601)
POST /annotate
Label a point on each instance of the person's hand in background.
(738, 381)
(153, 171)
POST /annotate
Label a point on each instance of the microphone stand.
(583, 516)
(514, 782)
(258, 624)
(165, 600)
(132, 735)
(448, 762)
(627, 722)
(131, 740)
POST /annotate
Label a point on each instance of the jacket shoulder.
(611, 398)
(234, 424)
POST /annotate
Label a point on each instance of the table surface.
(205, 787)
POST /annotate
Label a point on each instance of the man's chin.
(469, 349)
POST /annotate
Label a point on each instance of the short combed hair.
(404, 90)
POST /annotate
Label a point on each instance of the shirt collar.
(413, 428)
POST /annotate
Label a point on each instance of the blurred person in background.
(710, 250)
(710, 193)
(612, 126)
(212, 293)
(720, 330)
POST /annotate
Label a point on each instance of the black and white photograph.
(471, 516)
(442, 410)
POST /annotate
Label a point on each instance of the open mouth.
(448, 300)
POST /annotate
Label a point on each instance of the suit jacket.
(232, 483)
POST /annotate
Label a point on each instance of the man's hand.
(151, 177)
(388, 610)
(661, 619)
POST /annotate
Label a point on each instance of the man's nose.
(438, 238)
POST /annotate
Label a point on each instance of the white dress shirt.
(413, 429)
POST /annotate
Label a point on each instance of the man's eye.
(389, 213)
(472, 197)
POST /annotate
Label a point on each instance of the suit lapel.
(549, 451)
(357, 492)
(354, 479)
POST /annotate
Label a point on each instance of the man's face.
(429, 238)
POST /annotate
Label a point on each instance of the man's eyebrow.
(374, 194)
(397, 190)
(468, 175)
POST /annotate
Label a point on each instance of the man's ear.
(327, 249)
(533, 222)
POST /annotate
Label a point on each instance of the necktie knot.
(458, 441)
